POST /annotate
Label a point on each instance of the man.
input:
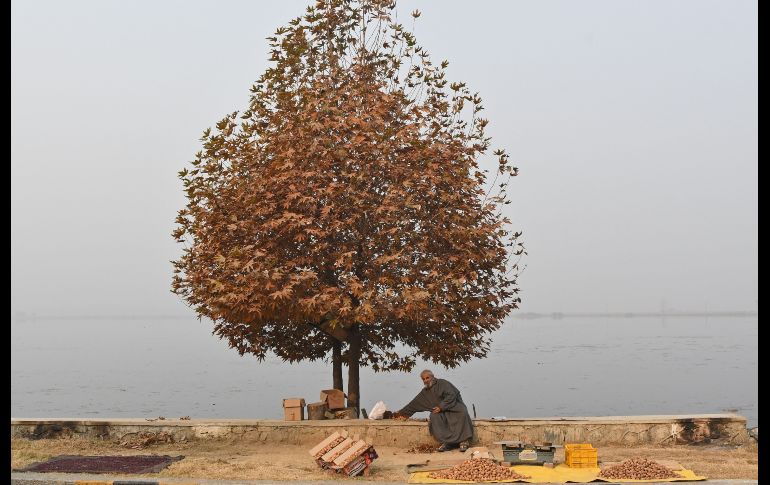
(449, 421)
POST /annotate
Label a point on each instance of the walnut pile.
(638, 469)
(477, 469)
(422, 449)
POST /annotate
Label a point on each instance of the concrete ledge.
(598, 430)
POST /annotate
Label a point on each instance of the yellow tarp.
(559, 474)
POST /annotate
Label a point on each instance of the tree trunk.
(337, 366)
(354, 355)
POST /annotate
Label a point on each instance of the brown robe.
(453, 424)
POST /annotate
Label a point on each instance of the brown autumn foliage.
(346, 205)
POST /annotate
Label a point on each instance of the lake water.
(536, 368)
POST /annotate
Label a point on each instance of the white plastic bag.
(378, 410)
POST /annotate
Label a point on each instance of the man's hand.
(436, 410)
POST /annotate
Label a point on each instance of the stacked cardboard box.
(334, 398)
(344, 454)
(294, 409)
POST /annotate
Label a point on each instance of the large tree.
(345, 211)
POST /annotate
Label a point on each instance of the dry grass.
(249, 460)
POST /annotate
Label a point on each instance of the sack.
(378, 410)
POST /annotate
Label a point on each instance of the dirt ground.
(244, 459)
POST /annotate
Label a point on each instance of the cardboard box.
(334, 398)
(294, 409)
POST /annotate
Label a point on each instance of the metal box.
(520, 453)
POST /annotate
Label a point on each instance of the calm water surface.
(536, 368)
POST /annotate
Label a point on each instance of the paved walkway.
(28, 478)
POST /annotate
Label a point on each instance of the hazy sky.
(633, 124)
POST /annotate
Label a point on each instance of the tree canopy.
(345, 207)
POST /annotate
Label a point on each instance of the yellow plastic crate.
(580, 455)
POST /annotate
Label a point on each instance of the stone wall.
(608, 430)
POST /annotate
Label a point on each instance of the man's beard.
(430, 383)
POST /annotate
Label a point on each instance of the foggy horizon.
(633, 125)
